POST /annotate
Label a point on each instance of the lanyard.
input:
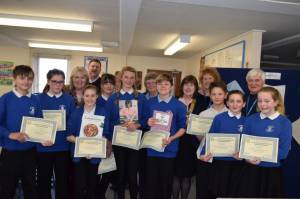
(251, 107)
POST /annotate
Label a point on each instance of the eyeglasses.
(57, 82)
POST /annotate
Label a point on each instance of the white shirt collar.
(92, 112)
(52, 95)
(93, 80)
(165, 100)
(20, 95)
(238, 116)
(104, 97)
(271, 117)
(123, 92)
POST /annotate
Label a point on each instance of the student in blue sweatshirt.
(126, 159)
(54, 156)
(160, 165)
(262, 179)
(18, 157)
(85, 169)
(227, 170)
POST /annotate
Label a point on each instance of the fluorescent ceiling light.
(178, 44)
(65, 47)
(281, 2)
(46, 23)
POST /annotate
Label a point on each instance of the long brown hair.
(276, 96)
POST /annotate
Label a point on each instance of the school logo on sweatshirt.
(62, 107)
(270, 128)
(31, 110)
(240, 128)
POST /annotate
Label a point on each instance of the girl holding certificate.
(55, 156)
(160, 165)
(263, 179)
(218, 92)
(85, 169)
(226, 170)
(126, 158)
(186, 159)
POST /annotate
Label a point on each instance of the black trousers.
(127, 164)
(142, 172)
(47, 163)
(103, 182)
(159, 177)
(15, 166)
(204, 175)
(85, 179)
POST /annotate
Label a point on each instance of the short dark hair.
(108, 78)
(90, 87)
(219, 84)
(236, 92)
(23, 70)
(164, 77)
(95, 60)
(189, 79)
(53, 72)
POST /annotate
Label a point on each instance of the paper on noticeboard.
(280, 88)
(296, 130)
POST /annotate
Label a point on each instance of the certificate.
(198, 125)
(91, 126)
(92, 147)
(264, 148)
(222, 144)
(107, 165)
(38, 129)
(128, 139)
(153, 140)
(59, 116)
(164, 121)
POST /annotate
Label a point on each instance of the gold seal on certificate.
(92, 147)
(154, 139)
(198, 125)
(38, 129)
(59, 116)
(264, 148)
(222, 144)
(128, 139)
(107, 165)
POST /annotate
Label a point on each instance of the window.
(46, 64)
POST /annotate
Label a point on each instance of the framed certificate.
(153, 140)
(222, 144)
(198, 125)
(38, 129)
(264, 148)
(128, 139)
(93, 147)
(59, 116)
(91, 126)
(107, 165)
(164, 121)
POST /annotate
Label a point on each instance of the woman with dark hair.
(186, 157)
(55, 156)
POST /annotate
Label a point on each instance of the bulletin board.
(232, 56)
(6, 76)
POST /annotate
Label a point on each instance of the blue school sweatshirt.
(66, 102)
(74, 125)
(279, 127)
(12, 109)
(178, 121)
(101, 101)
(112, 116)
(225, 123)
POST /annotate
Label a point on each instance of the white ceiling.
(146, 27)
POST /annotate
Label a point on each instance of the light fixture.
(178, 44)
(45, 23)
(65, 47)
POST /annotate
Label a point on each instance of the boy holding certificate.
(125, 108)
(160, 165)
(226, 170)
(260, 178)
(57, 106)
(18, 156)
(85, 169)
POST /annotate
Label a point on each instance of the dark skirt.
(186, 160)
(226, 176)
(261, 182)
(204, 176)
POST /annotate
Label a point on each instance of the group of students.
(149, 173)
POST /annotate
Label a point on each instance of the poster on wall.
(103, 60)
(6, 76)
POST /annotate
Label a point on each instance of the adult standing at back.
(255, 81)
(94, 70)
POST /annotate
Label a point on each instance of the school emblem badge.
(270, 128)
(31, 110)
